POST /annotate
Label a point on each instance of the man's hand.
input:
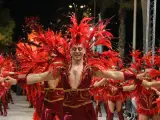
(10, 80)
(145, 83)
(132, 87)
(148, 70)
(1, 79)
(129, 88)
(96, 84)
(101, 83)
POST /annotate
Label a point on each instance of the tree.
(7, 26)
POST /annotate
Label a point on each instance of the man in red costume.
(76, 72)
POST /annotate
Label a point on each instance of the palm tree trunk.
(144, 15)
(121, 43)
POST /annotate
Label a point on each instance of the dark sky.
(47, 10)
(51, 10)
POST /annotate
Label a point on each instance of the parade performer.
(144, 95)
(48, 100)
(3, 99)
(51, 96)
(53, 100)
(145, 98)
(97, 97)
(6, 65)
(113, 93)
(76, 64)
(114, 96)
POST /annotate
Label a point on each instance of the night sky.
(52, 10)
(48, 11)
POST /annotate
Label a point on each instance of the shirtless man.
(76, 79)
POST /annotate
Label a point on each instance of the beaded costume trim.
(79, 105)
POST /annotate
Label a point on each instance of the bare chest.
(52, 84)
(75, 77)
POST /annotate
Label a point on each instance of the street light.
(70, 6)
(81, 6)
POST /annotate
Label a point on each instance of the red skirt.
(52, 110)
(85, 112)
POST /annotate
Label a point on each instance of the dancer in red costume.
(9, 95)
(29, 93)
(152, 83)
(97, 97)
(48, 102)
(113, 96)
(53, 99)
(3, 99)
(77, 69)
(6, 64)
(145, 96)
(49, 98)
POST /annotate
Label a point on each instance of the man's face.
(77, 52)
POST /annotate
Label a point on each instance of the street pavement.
(20, 110)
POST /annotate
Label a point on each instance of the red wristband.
(138, 81)
(158, 102)
(120, 88)
(22, 81)
(129, 76)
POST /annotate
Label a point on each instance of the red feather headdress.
(81, 34)
(58, 47)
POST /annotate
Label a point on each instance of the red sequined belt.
(75, 98)
(53, 95)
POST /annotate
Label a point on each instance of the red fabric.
(32, 92)
(21, 82)
(110, 115)
(129, 76)
(82, 112)
(39, 103)
(120, 115)
(51, 110)
(85, 112)
(35, 116)
(52, 102)
(145, 98)
(3, 95)
(158, 104)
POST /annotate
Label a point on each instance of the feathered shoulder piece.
(147, 58)
(30, 58)
(137, 64)
(7, 65)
